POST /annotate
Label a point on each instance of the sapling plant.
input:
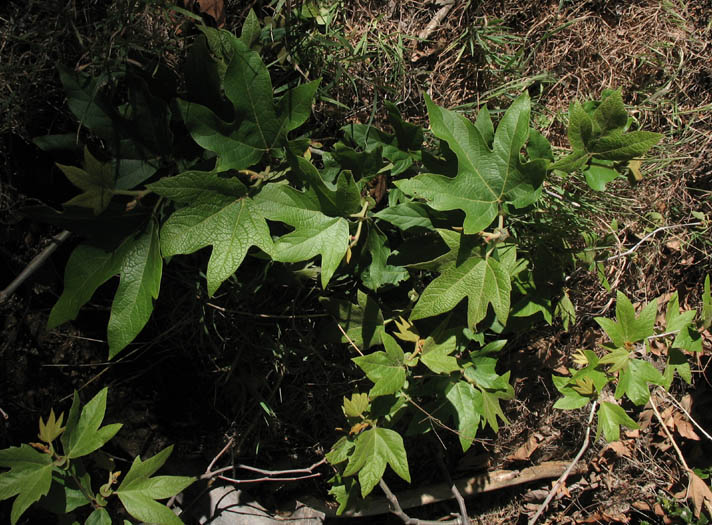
(58, 472)
(229, 165)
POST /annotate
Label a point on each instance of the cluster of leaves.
(624, 363)
(58, 478)
(417, 232)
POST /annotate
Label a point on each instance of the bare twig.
(4, 414)
(34, 265)
(669, 435)
(455, 491)
(398, 510)
(648, 236)
(267, 479)
(349, 339)
(679, 405)
(468, 487)
(566, 473)
(447, 5)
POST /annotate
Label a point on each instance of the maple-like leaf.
(466, 400)
(385, 369)
(379, 273)
(138, 262)
(29, 477)
(633, 381)
(362, 322)
(483, 281)
(84, 433)
(139, 491)
(602, 137)
(219, 213)
(629, 328)
(260, 123)
(315, 233)
(488, 174)
(96, 180)
(686, 337)
(610, 418)
(375, 448)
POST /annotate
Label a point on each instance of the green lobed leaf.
(336, 200)
(379, 273)
(138, 262)
(598, 176)
(375, 448)
(481, 281)
(140, 282)
(96, 181)
(491, 409)
(436, 352)
(29, 477)
(84, 434)
(610, 418)
(624, 146)
(362, 322)
(385, 369)
(219, 214)
(629, 328)
(356, 406)
(87, 103)
(314, 232)
(706, 304)
(687, 337)
(138, 490)
(407, 215)
(260, 125)
(99, 517)
(633, 381)
(468, 405)
(487, 177)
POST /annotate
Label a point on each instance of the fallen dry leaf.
(525, 451)
(699, 493)
(685, 428)
(621, 448)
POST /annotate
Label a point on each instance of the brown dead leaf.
(699, 493)
(525, 451)
(641, 506)
(620, 448)
(685, 428)
(674, 245)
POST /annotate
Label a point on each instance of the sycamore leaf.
(52, 429)
(138, 262)
(633, 381)
(385, 369)
(336, 200)
(407, 215)
(491, 409)
(610, 418)
(436, 352)
(629, 328)
(138, 490)
(343, 490)
(96, 180)
(29, 477)
(687, 337)
(139, 284)
(84, 433)
(219, 214)
(260, 124)
(98, 517)
(356, 406)
(677, 362)
(379, 273)
(362, 322)
(375, 448)
(467, 402)
(487, 176)
(314, 232)
(481, 281)
(340, 451)
(602, 136)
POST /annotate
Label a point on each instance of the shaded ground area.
(237, 366)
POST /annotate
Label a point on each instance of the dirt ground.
(209, 369)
